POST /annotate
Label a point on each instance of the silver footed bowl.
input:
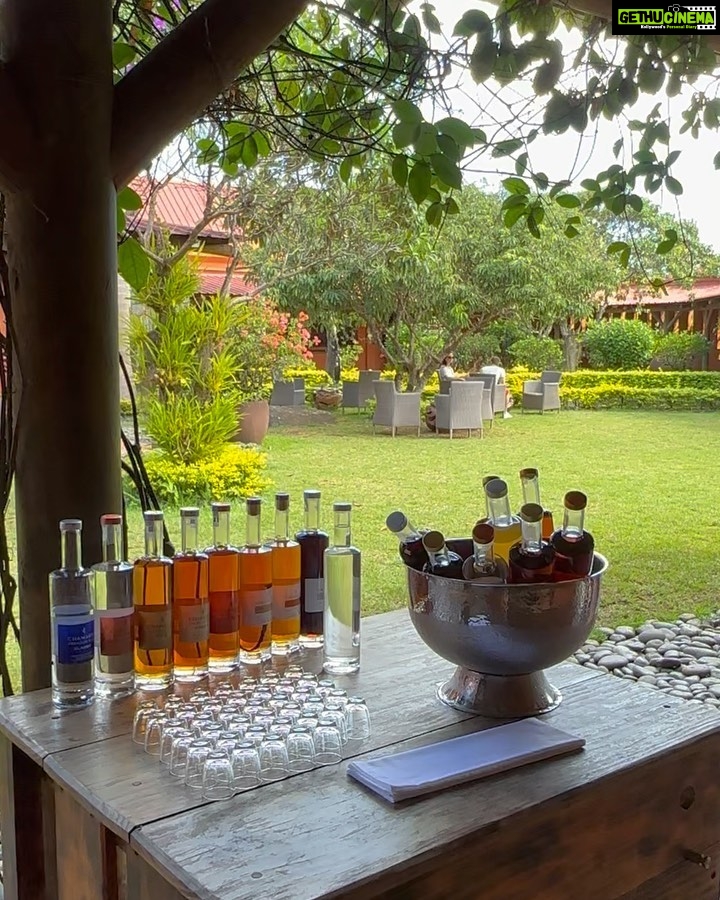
(502, 637)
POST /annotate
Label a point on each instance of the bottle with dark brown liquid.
(483, 566)
(530, 482)
(574, 547)
(255, 570)
(313, 544)
(441, 560)
(191, 609)
(152, 598)
(412, 552)
(224, 593)
(531, 559)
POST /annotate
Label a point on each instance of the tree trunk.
(62, 256)
(332, 356)
(571, 349)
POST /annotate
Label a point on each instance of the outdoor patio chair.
(463, 408)
(444, 387)
(395, 409)
(288, 392)
(499, 392)
(355, 394)
(543, 394)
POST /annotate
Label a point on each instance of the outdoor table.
(636, 815)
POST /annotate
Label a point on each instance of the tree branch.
(174, 83)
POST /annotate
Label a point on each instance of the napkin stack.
(447, 763)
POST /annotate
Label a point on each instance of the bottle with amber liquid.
(574, 547)
(441, 560)
(255, 569)
(313, 543)
(530, 483)
(285, 581)
(506, 525)
(531, 560)
(412, 552)
(191, 608)
(223, 594)
(152, 598)
(483, 566)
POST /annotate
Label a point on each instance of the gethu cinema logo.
(673, 16)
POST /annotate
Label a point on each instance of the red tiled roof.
(212, 275)
(179, 206)
(702, 289)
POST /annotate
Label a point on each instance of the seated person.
(446, 371)
(495, 368)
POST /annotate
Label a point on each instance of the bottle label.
(154, 627)
(257, 607)
(286, 601)
(74, 639)
(224, 612)
(356, 594)
(314, 595)
(194, 622)
(114, 632)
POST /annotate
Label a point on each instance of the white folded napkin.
(444, 764)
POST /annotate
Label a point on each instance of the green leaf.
(673, 186)
(133, 263)
(249, 153)
(532, 223)
(262, 143)
(407, 111)
(400, 170)
(127, 198)
(512, 215)
(516, 186)
(419, 181)
(451, 206)
(434, 214)
(479, 136)
(404, 133)
(431, 21)
(119, 219)
(617, 147)
(458, 130)
(568, 201)
(122, 54)
(426, 141)
(505, 148)
(541, 181)
(671, 158)
(483, 59)
(665, 247)
(571, 231)
(446, 170)
(716, 161)
(473, 21)
(625, 257)
(590, 185)
(521, 163)
(634, 202)
(449, 147)
(617, 247)
(346, 168)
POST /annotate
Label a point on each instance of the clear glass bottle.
(486, 480)
(530, 483)
(412, 552)
(483, 566)
(507, 526)
(531, 560)
(152, 597)
(441, 560)
(223, 593)
(191, 607)
(313, 543)
(574, 547)
(71, 622)
(286, 566)
(255, 570)
(341, 651)
(114, 615)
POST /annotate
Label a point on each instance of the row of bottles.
(507, 548)
(117, 625)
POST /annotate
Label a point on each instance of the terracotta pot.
(325, 399)
(254, 423)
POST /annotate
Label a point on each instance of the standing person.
(495, 368)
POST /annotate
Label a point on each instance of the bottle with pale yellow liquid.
(530, 482)
(508, 530)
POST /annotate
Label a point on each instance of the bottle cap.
(531, 512)
(433, 541)
(253, 505)
(282, 502)
(496, 488)
(526, 474)
(311, 495)
(483, 533)
(575, 500)
(153, 515)
(489, 478)
(189, 512)
(396, 521)
(111, 519)
(71, 525)
(342, 506)
(220, 507)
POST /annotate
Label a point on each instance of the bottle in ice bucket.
(574, 547)
(441, 561)
(530, 483)
(531, 560)
(486, 480)
(506, 525)
(483, 566)
(411, 547)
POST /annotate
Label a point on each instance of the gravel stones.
(680, 658)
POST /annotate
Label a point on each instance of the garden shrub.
(188, 428)
(537, 353)
(677, 349)
(233, 473)
(619, 344)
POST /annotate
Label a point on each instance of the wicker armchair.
(463, 408)
(543, 394)
(355, 394)
(497, 391)
(288, 393)
(395, 409)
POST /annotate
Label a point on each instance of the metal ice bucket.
(501, 637)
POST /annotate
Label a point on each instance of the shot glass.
(337, 712)
(153, 732)
(245, 763)
(197, 753)
(142, 713)
(328, 742)
(178, 754)
(217, 776)
(300, 749)
(357, 717)
(281, 726)
(273, 758)
(169, 731)
(255, 734)
(211, 731)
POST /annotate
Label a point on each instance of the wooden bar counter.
(86, 815)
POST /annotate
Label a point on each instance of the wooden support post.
(86, 855)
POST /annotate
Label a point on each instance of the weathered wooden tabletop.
(604, 822)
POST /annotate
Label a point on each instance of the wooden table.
(86, 815)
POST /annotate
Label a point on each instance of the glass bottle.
(574, 547)
(412, 552)
(341, 652)
(255, 569)
(313, 544)
(152, 596)
(531, 559)
(441, 560)
(114, 615)
(191, 607)
(486, 480)
(71, 621)
(507, 526)
(285, 581)
(483, 566)
(530, 483)
(223, 593)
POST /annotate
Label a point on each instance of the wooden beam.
(18, 147)
(174, 83)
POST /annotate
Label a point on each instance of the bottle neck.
(282, 525)
(531, 489)
(221, 527)
(71, 552)
(532, 537)
(252, 530)
(112, 542)
(483, 557)
(189, 534)
(573, 524)
(499, 511)
(312, 513)
(341, 529)
(153, 537)
(408, 533)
